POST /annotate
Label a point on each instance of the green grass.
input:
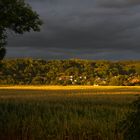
(62, 115)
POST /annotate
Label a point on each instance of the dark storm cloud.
(118, 3)
(103, 29)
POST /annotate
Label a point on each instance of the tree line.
(69, 72)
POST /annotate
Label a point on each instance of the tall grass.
(42, 115)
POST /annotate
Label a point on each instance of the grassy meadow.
(64, 113)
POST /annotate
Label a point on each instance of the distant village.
(71, 80)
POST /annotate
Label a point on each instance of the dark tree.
(18, 16)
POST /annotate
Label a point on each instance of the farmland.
(64, 113)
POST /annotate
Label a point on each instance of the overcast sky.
(87, 29)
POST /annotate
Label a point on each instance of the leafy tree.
(58, 72)
(17, 16)
(117, 80)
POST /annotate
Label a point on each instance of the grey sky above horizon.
(86, 29)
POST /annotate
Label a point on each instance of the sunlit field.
(80, 88)
(64, 112)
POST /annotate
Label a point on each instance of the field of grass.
(70, 114)
(77, 89)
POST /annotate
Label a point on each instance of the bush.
(130, 127)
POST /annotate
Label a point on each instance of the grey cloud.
(82, 28)
(61, 53)
(118, 3)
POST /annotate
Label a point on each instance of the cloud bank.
(89, 29)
